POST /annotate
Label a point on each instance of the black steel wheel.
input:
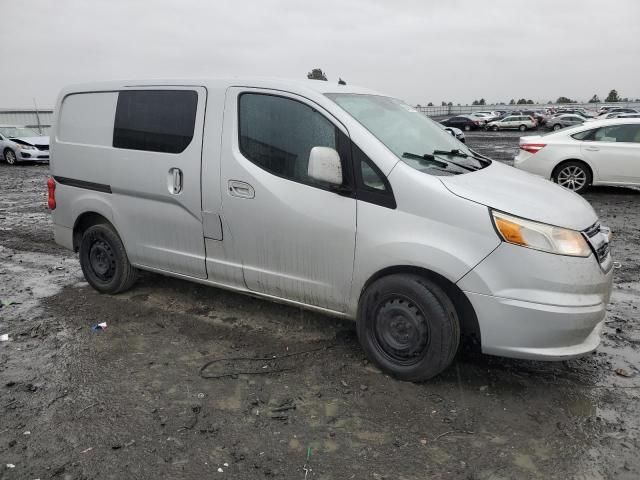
(104, 260)
(408, 326)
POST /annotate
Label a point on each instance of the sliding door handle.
(174, 181)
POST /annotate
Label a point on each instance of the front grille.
(598, 238)
(42, 147)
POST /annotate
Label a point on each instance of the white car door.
(294, 236)
(615, 152)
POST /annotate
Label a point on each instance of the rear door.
(573, 120)
(294, 236)
(508, 122)
(615, 151)
(155, 176)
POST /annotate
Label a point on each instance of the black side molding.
(72, 182)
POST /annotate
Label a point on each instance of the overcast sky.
(417, 50)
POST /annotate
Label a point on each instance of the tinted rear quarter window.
(155, 120)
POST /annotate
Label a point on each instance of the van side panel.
(159, 227)
(420, 234)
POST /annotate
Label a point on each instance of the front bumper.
(535, 331)
(33, 155)
(536, 305)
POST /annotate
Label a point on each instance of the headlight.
(540, 236)
(26, 147)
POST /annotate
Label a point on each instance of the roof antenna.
(341, 82)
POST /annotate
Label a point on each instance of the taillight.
(532, 147)
(51, 188)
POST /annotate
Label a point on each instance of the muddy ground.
(130, 402)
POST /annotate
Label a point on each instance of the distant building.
(38, 120)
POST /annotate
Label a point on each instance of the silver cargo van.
(333, 198)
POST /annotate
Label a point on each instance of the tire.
(104, 260)
(10, 157)
(574, 175)
(557, 126)
(495, 128)
(522, 128)
(467, 128)
(408, 326)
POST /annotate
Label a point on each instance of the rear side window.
(278, 133)
(586, 135)
(155, 120)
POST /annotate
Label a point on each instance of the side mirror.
(325, 166)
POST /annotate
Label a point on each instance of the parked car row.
(551, 118)
(22, 144)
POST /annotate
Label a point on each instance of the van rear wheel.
(104, 260)
(408, 326)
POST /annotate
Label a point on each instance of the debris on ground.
(7, 303)
(624, 373)
(4, 337)
(98, 327)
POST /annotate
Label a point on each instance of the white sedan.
(602, 152)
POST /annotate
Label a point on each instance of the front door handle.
(592, 149)
(241, 189)
(174, 181)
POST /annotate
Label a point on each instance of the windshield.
(403, 129)
(12, 132)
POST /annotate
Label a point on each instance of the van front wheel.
(104, 260)
(408, 326)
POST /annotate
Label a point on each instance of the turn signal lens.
(51, 189)
(540, 236)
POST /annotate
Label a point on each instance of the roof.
(318, 86)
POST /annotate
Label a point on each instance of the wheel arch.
(469, 325)
(83, 222)
(569, 160)
(8, 149)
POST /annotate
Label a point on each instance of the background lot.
(129, 402)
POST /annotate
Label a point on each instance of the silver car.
(332, 198)
(22, 144)
(565, 120)
(456, 132)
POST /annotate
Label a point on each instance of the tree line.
(613, 97)
(318, 74)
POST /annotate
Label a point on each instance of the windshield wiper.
(456, 153)
(426, 157)
(475, 155)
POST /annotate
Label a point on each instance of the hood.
(524, 195)
(32, 140)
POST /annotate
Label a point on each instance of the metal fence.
(39, 120)
(452, 110)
